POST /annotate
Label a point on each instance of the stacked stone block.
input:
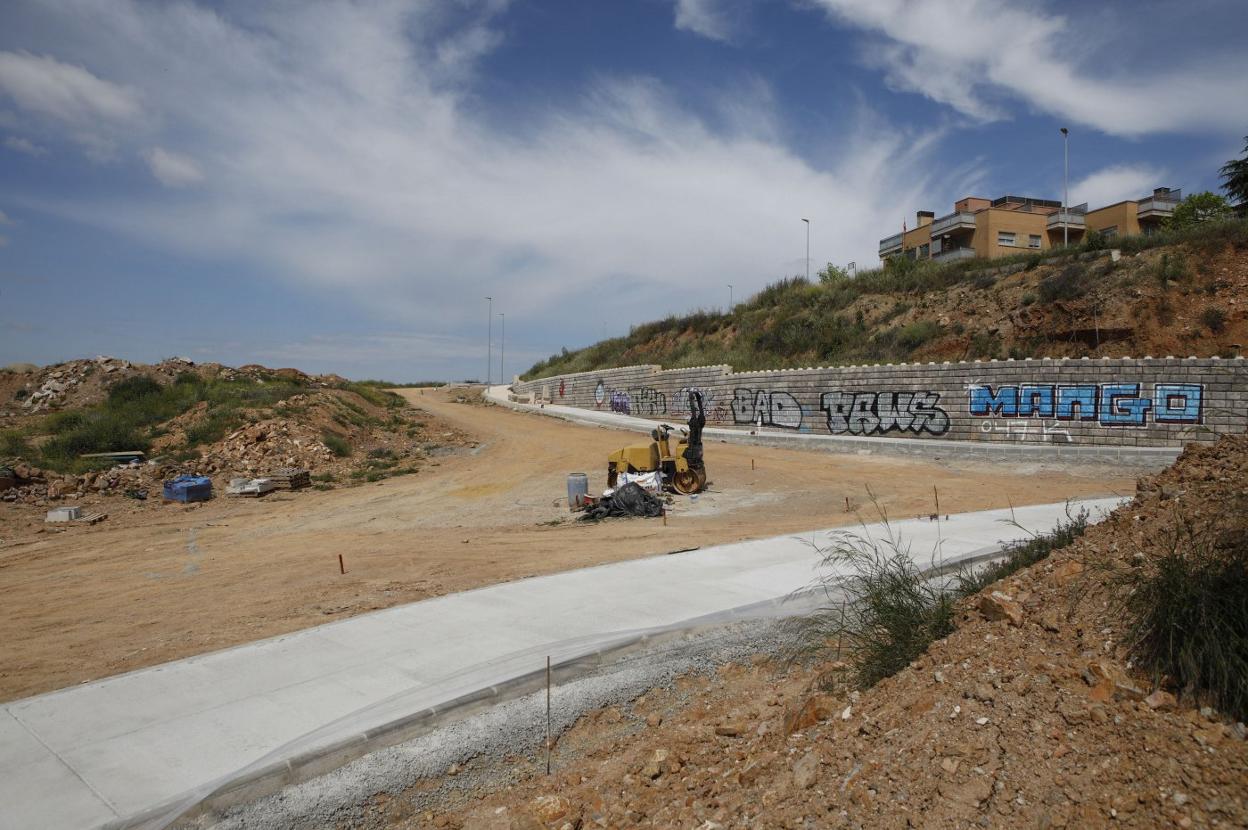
(1126, 402)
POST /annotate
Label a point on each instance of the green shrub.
(381, 452)
(1213, 318)
(984, 281)
(1071, 283)
(336, 444)
(13, 444)
(1028, 299)
(1170, 268)
(918, 333)
(1188, 613)
(1094, 241)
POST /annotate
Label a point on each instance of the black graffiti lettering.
(766, 408)
(878, 413)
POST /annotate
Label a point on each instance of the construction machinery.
(682, 470)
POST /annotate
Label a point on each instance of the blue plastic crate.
(188, 489)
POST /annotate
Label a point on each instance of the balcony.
(890, 245)
(1070, 219)
(1160, 205)
(950, 254)
(953, 222)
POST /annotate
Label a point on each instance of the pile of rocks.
(265, 446)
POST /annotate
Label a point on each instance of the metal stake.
(342, 569)
(548, 715)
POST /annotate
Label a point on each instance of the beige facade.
(1008, 225)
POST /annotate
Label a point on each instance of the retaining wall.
(1145, 402)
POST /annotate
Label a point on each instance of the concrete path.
(124, 747)
(1008, 451)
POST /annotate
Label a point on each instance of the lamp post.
(489, 340)
(807, 221)
(502, 347)
(1065, 191)
(729, 297)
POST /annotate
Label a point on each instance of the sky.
(338, 186)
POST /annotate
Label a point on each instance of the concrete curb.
(1136, 457)
(268, 778)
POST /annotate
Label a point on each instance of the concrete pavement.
(142, 746)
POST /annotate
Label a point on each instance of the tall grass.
(1188, 610)
(885, 609)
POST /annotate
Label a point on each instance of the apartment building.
(1014, 224)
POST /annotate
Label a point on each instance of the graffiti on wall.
(764, 407)
(600, 394)
(1106, 404)
(621, 402)
(714, 409)
(648, 401)
(879, 413)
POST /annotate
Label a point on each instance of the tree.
(1200, 207)
(833, 274)
(1235, 174)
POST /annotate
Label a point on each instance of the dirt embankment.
(1037, 722)
(1181, 300)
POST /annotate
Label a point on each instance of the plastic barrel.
(578, 489)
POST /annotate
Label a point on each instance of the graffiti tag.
(1108, 404)
(878, 413)
(766, 408)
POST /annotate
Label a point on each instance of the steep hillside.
(1180, 293)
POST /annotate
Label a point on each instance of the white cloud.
(69, 93)
(708, 18)
(1115, 184)
(172, 169)
(350, 154)
(976, 54)
(24, 145)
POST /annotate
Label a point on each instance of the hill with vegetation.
(1179, 292)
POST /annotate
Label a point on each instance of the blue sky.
(337, 185)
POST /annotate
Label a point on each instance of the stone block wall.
(1145, 402)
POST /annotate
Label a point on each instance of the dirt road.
(92, 602)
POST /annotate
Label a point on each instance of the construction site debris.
(289, 478)
(64, 514)
(250, 487)
(188, 489)
(629, 500)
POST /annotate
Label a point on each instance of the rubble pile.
(1028, 715)
(265, 446)
(288, 435)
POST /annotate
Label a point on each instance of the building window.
(1110, 232)
(1033, 241)
(924, 250)
(1005, 238)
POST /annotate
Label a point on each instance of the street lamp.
(489, 340)
(807, 221)
(1065, 190)
(502, 347)
(730, 297)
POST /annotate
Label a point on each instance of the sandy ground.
(94, 601)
